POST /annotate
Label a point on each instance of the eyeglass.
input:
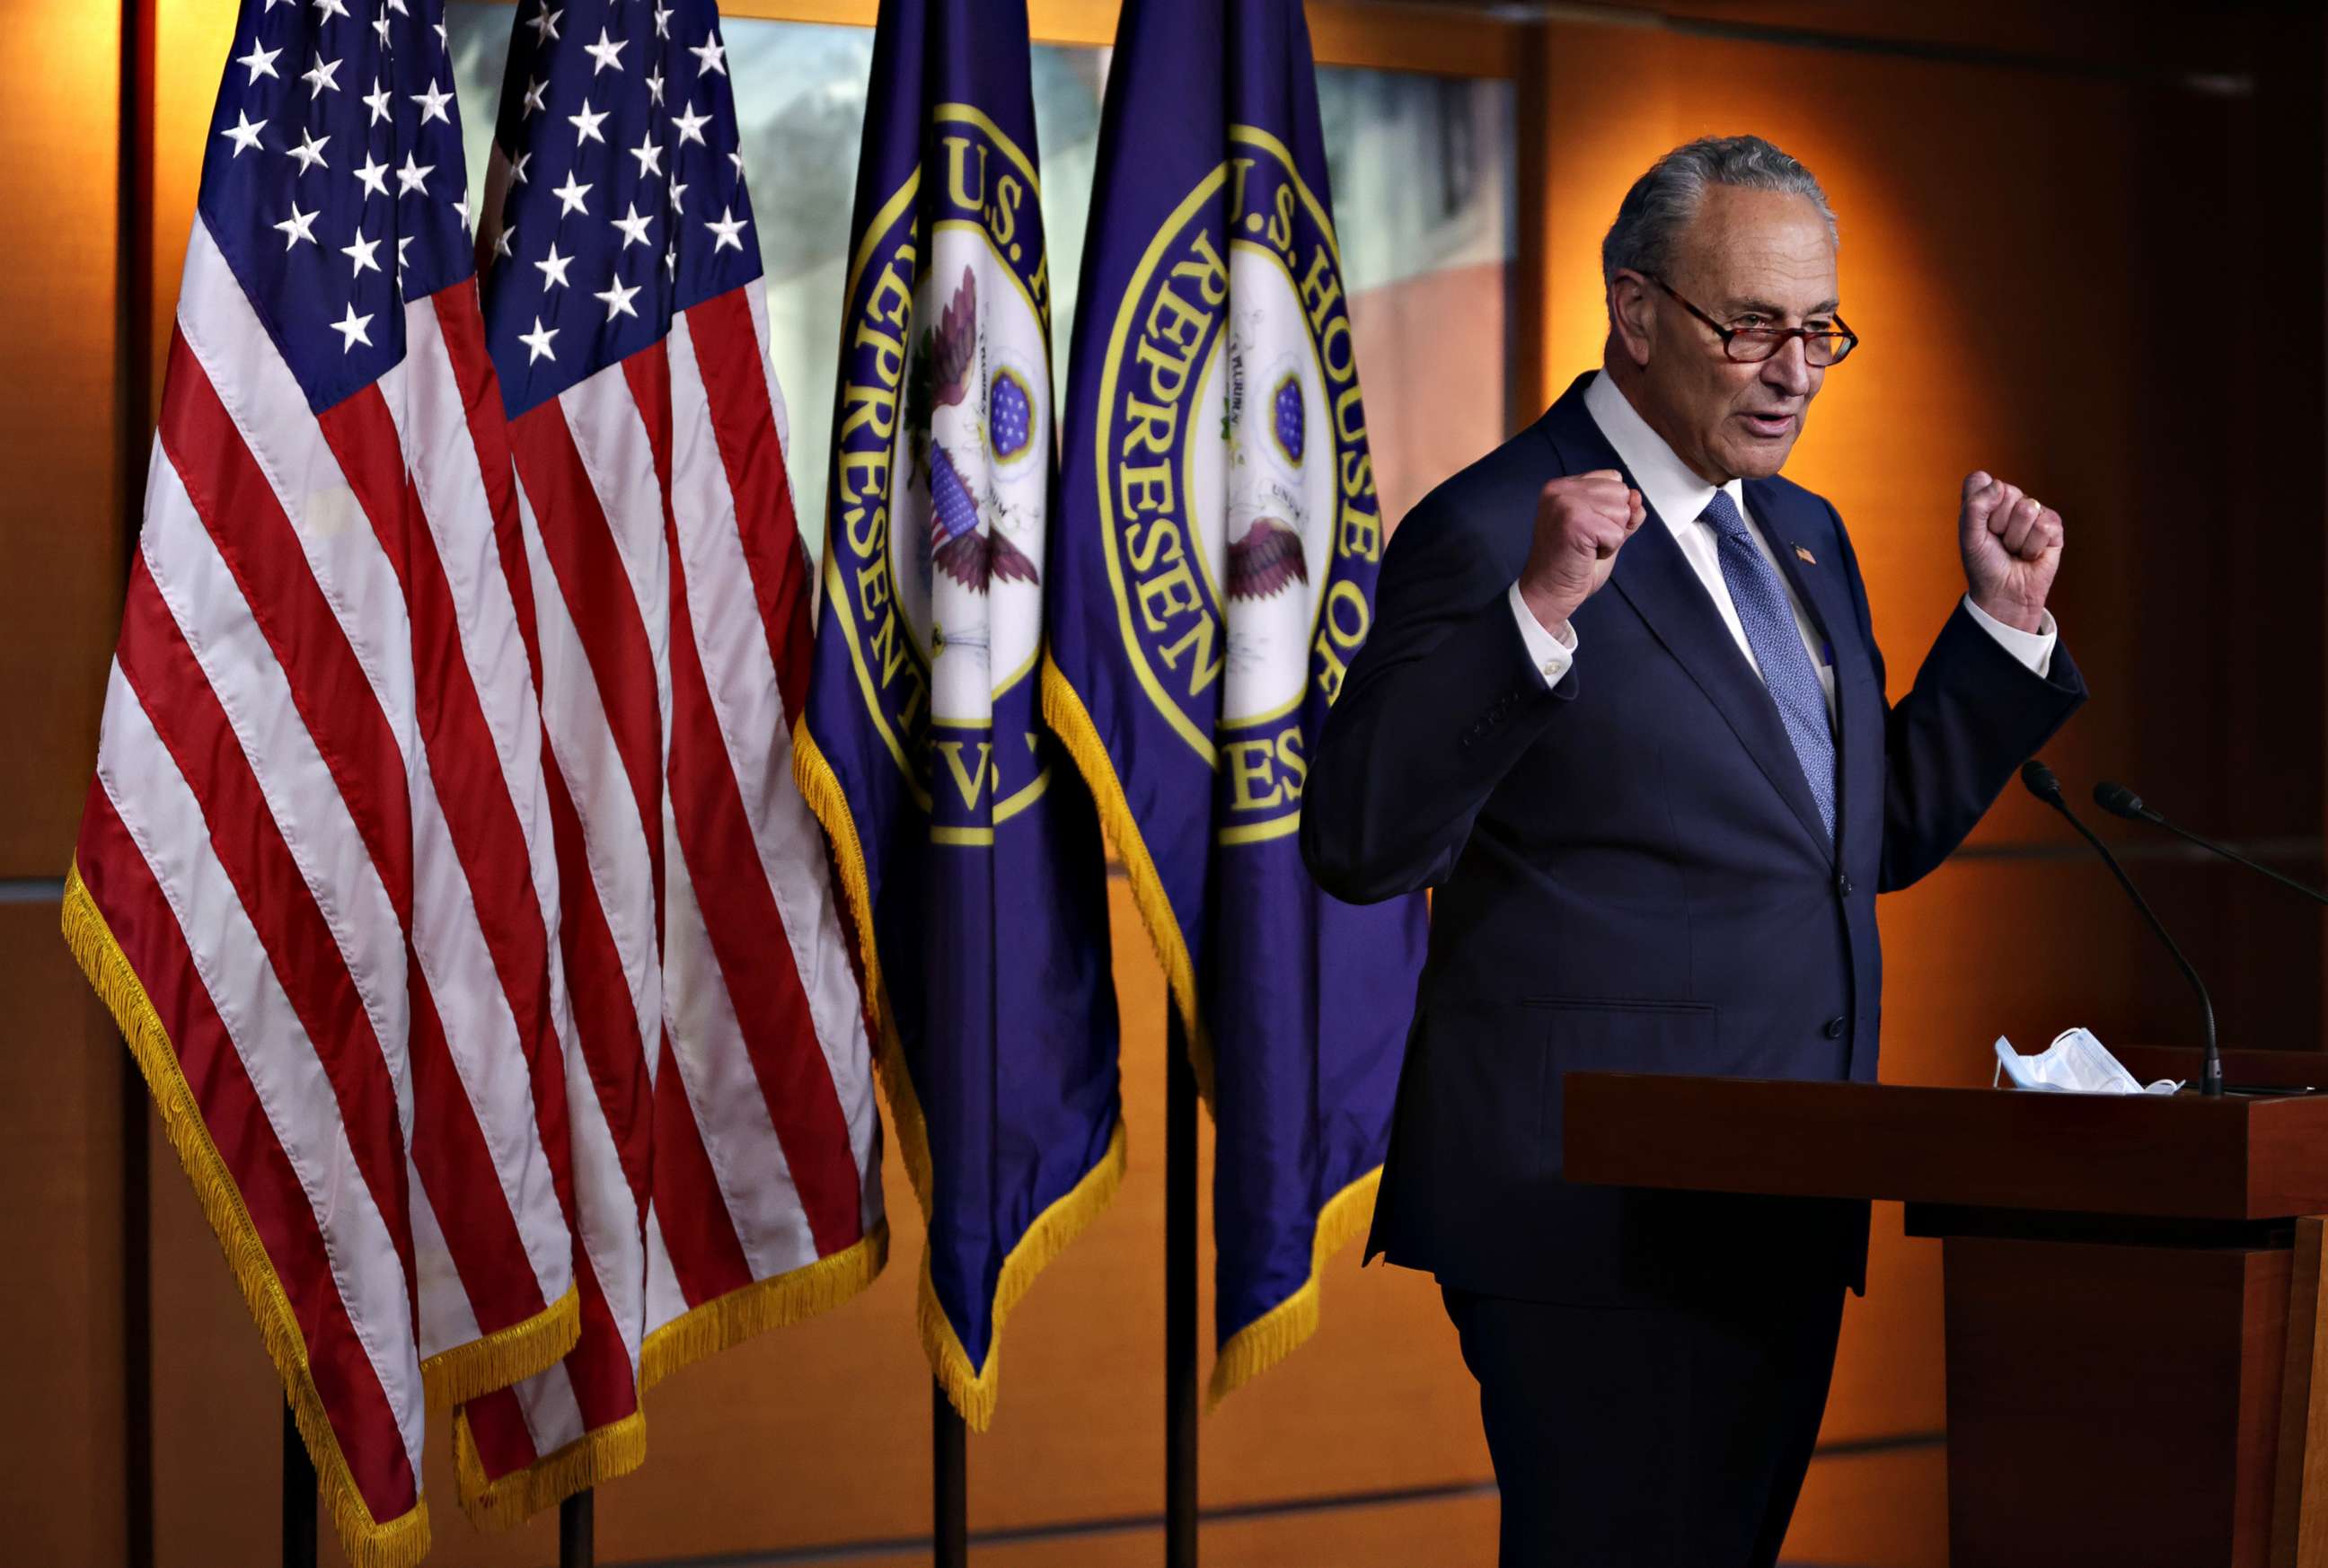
(1750, 345)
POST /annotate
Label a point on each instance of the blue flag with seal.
(966, 841)
(1213, 567)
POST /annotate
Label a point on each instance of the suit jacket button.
(1834, 1028)
(1843, 885)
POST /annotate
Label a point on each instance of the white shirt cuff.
(1552, 652)
(2033, 649)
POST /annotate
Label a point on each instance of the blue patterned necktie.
(1761, 599)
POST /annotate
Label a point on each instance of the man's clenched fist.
(1582, 522)
(2012, 548)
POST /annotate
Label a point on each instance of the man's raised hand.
(2012, 548)
(1582, 522)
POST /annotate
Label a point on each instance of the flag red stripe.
(465, 1187)
(459, 319)
(308, 964)
(740, 913)
(596, 589)
(606, 1019)
(335, 701)
(146, 927)
(728, 351)
(699, 1234)
(463, 326)
(462, 758)
(460, 322)
(599, 1368)
(699, 1237)
(723, 862)
(465, 1192)
(606, 1385)
(497, 1424)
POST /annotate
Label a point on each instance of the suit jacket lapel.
(1657, 580)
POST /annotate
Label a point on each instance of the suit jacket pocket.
(1613, 1034)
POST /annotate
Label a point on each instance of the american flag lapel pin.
(1808, 558)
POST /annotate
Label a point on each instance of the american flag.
(726, 1144)
(314, 878)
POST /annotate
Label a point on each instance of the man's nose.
(1788, 371)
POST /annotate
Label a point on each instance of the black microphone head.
(2039, 780)
(2118, 801)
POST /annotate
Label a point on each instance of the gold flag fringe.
(371, 1543)
(972, 1390)
(613, 1452)
(798, 1293)
(510, 1353)
(1070, 720)
(1279, 1332)
(820, 787)
(604, 1454)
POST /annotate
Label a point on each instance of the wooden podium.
(2121, 1277)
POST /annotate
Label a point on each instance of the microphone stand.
(2119, 801)
(2040, 781)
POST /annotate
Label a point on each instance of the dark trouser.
(1650, 1437)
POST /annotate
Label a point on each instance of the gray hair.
(1662, 200)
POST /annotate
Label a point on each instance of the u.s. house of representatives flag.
(726, 1146)
(314, 880)
(967, 841)
(1214, 563)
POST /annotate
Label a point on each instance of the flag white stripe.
(582, 748)
(732, 645)
(447, 938)
(433, 425)
(665, 1301)
(164, 819)
(755, 296)
(447, 1319)
(553, 1416)
(481, 1034)
(201, 595)
(452, 486)
(354, 574)
(723, 1091)
(612, 438)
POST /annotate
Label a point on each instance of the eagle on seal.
(970, 555)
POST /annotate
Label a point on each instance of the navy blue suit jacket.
(1631, 874)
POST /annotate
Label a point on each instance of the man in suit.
(1622, 708)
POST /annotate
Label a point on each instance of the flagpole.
(300, 1500)
(578, 1530)
(949, 1481)
(134, 440)
(1180, 1296)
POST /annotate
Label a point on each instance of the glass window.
(1423, 193)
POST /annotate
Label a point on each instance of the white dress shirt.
(1679, 497)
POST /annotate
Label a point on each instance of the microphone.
(2040, 782)
(2121, 802)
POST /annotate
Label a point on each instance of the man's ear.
(1630, 312)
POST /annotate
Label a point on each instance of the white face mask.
(2075, 1063)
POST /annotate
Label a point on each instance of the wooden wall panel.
(60, 1305)
(191, 41)
(217, 1406)
(60, 528)
(1877, 1510)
